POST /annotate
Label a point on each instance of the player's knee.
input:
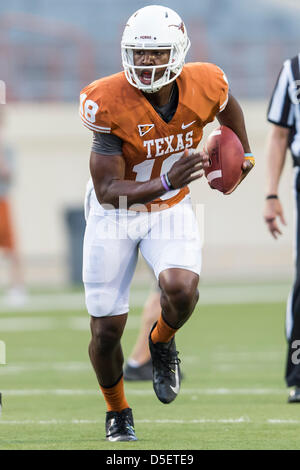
(105, 336)
(182, 295)
(185, 299)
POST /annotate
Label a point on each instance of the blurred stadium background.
(50, 50)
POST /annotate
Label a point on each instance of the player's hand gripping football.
(188, 168)
(246, 168)
(273, 209)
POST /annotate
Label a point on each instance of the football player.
(147, 122)
(16, 295)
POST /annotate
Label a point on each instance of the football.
(226, 155)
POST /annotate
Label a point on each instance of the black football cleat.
(294, 396)
(143, 372)
(119, 426)
(166, 370)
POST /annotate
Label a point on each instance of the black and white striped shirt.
(284, 108)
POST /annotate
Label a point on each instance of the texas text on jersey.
(150, 145)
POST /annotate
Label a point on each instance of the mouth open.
(145, 77)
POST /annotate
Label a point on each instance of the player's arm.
(108, 174)
(276, 154)
(233, 117)
(109, 183)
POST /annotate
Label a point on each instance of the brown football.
(226, 155)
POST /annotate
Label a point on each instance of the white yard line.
(9, 324)
(47, 302)
(241, 420)
(223, 365)
(129, 391)
(18, 368)
(283, 421)
(140, 421)
(231, 294)
(29, 324)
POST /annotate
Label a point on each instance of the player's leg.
(292, 374)
(176, 260)
(293, 336)
(179, 295)
(105, 351)
(178, 299)
(108, 266)
(139, 364)
(16, 294)
(107, 358)
(293, 323)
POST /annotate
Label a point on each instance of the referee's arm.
(276, 154)
(280, 114)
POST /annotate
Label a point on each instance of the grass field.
(233, 395)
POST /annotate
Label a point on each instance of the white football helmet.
(154, 28)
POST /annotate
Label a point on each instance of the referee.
(284, 114)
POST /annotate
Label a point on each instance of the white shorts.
(166, 239)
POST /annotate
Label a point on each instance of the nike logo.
(177, 384)
(184, 126)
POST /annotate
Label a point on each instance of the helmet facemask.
(172, 68)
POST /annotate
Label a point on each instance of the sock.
(114, 396)
(162, 333)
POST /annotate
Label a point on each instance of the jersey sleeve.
(93, 110)
(280, 111)
(107, 144)
(223, 88)
(217, 86)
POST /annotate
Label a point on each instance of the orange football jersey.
(150, 145)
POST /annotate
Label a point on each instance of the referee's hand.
(273, 209)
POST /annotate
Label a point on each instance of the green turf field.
(233, 395)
